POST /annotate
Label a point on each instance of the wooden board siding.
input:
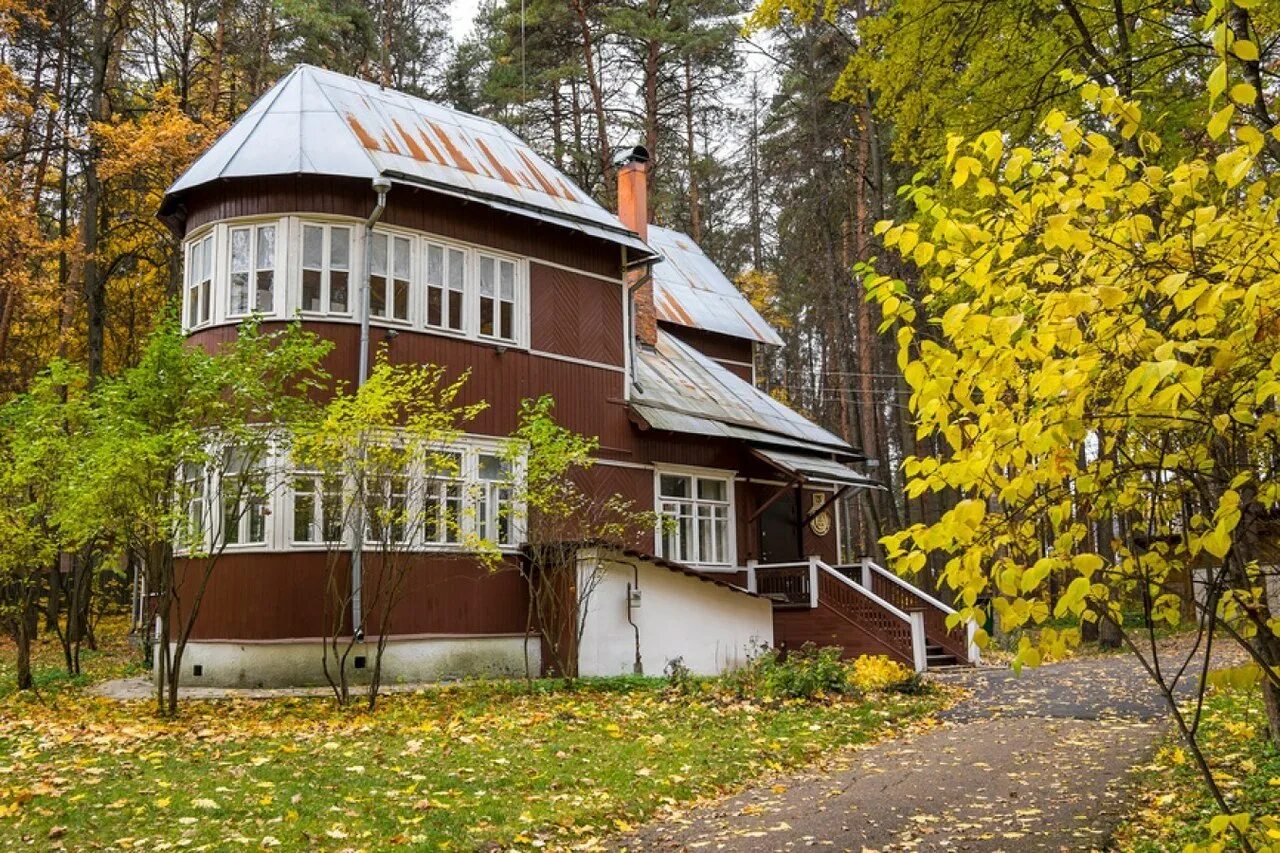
(407, 207)
(720, 347)
(281, 596)
(575, 315)
(588, 399)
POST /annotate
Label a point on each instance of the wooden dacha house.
(485, 258)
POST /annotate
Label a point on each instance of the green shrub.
(806, 673)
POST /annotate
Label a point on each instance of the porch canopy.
(801, 468)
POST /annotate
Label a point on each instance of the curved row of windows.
(265, 504)
(282, 267)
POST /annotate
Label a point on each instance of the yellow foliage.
(877, 672)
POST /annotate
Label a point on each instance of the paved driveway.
(1039, 761)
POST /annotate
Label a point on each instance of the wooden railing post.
(865, 562)
(919, 651)
(751, 576)
(813, 582)
(975, 654)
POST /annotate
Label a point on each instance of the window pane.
(239, 293)
(206, 258)
(338, 291)
(266, 247)
(339, 248)
(434, 317)
(310, 290)
(378, 259)
(264, 300)
(304, 510)
(400, 267)
(457, 268)
(706, 552)
(494, 468)
(685, 553)
(257, 519)
(230, 512)
(508, 282)
(486, 316)
(506, 319)
(672, 486)
(193, 306)
(204, 301)
(435, 264)
(332, 509)
(378, 295)
(455, 312)
(486, 276)
(240, 249)
(711, 490)
(312, 246)
(400, 308)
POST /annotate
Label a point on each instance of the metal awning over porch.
(809, 468)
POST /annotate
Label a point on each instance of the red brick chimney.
(633, 210)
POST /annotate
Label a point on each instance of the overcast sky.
(461, 14)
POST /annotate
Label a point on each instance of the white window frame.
(476, 297)
(198, 294)
(417, 274)
(254, 227)
(354, 259)
(447, 293)
(730, 561)
(317, 522)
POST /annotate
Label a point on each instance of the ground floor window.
(696, 511)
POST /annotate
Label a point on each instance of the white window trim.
(279, 266)
(287, 296)
(729, 478)
(279, 498)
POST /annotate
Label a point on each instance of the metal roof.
(690, 290)
(682, 390)
(817, 469)
(319, 122)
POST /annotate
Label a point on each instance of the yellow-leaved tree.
(1094, 335)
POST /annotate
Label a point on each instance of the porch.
(863, 608)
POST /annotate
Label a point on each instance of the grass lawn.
(458, 767)
(1176, 807)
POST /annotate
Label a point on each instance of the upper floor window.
(445, 285)
(253, 269)
(497, 298)
(290, 264)
(389, 276)
(200, 281)
(326, 268)
(696, 512)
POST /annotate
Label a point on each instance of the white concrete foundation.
(709, 626)
(298, 663)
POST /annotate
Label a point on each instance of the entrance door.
(779, 531)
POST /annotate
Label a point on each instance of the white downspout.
(381, 186)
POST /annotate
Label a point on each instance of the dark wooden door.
(780, 531)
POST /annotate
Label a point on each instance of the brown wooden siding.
(575, 315)
(408, 207)
(281, 596)
(588, 399)
(717, 346)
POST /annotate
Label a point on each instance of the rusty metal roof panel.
(319, 122)
(690, 290)
(682, 390)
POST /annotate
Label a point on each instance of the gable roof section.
(319, 122)
(682, 390)
(690, 290)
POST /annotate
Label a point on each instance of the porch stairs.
(863, 608)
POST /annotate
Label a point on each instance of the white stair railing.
(870, 568)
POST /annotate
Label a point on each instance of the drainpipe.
(381, 186)
(632, 604)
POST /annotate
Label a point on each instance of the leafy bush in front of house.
(806, 673)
